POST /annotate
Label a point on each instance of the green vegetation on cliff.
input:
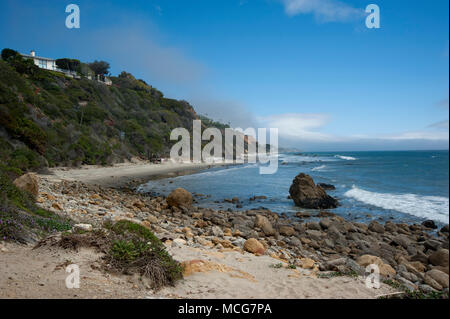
(49, 119)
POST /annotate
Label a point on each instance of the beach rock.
(323, 214)
(326, 186)
(325, 223)
(217, 231)
(432, 244)
(442, 268)
(178, 242)
(253, 246)
(439, 258)
(179, 197)
(344, 264)
(57, 206)
(444, 229)
(408, 284)
(152, 219)
(239, 242)
(420, 256)
(436, 279)
(429, 224)
(83, 227)
(314, 234)
(416, 267)
(307, 195)
(376, 227)
(427, 289)
(307, 263)
(29, 183)
(287, 230)
(313, 226)
(257, 198)
(385, 269)
(228, 232)
(264, 224)
(401, 240)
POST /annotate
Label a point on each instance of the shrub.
(68, 64)
(8, 54)
(99, 67)
(137, 249)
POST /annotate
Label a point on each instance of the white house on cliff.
(43, 63)
(50, 64)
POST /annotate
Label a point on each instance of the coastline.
(301, 258)
(127, 175)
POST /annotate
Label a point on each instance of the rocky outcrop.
(305, 193)
(429, 224)
(436, 279)
(327, 187)
(264, 224)
(179, 197)
(385, 269)
(439, 258)
(253, 246)
(29, 183)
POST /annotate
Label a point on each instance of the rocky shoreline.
(409, 255)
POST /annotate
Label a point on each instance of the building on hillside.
(104, 79)
(43, 63)
(50, 64)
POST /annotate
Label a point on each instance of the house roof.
(37, 57)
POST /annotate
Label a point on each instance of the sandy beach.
(127, 174)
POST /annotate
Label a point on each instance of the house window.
(43, 64)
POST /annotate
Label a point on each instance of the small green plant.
(128, 251)
(135, 248)
(332, 274)
(276, 266)
(413, 294)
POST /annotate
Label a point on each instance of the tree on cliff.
(100, 67)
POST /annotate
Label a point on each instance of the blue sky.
(309, 67)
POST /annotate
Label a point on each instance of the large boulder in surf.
(307, 194)
(179, 197)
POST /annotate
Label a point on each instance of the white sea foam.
(347, 158)
(430, 207)
(303, 158)
(319, 168)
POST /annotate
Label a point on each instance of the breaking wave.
(429, 207)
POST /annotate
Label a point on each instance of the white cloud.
(323, 10)
(305, 131)
(419, 135)
(299, 126)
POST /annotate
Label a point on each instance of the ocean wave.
(430, 207)
(347, 158)
(319, 168)
(304, 158)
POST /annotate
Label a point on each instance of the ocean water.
(404, 186)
